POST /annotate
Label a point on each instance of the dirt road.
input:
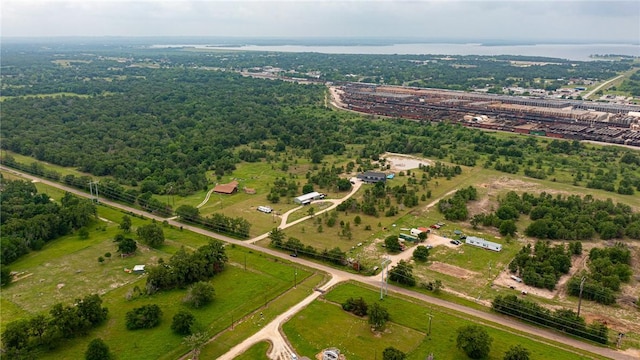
(489, 319)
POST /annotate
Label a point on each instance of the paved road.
(601, 86)
(339, 275)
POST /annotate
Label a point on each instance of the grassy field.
(67, 268)
(257, 351)
(408, 330)
(253, 322)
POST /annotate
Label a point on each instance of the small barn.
(229, 188)
(308, 198)
(371, 177)
(138, 269)
(479, 242)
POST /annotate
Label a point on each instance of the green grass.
(257, 351)
(253, 322)
(73, 261)
(323, 325)
(409, 318)
(238, 292)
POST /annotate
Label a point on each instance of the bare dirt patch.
(401, 162)
(452, 270)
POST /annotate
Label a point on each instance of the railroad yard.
(568, 119)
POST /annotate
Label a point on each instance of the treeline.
(28, 219)
(184, 269)
(608, 269)
(564, 320)
(335, 255)
(23, 339)
(455, 207)
(543, 265)
(566, 217)
(220, 223)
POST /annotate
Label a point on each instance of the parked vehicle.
(455, 242)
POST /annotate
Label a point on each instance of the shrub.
(144, 317)
(182, 322)
(199, 294)
(97, 350)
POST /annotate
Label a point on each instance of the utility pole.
(94, 197)
(385, 263)
(295, 278)
(430, 317)
(580, 298)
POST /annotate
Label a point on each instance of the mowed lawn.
(239, 292)
(325, 324)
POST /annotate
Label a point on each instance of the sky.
(585, 21)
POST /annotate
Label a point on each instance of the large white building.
(307, 198)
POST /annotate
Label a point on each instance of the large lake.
(563, 51)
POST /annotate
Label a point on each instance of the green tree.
(422, 236)
(5, 275)
(357, 220)
(392, 353)
(151, 234)
(127, 246)
(100, 259)
(307, 188)
(474, 341)
(97, 350)
(199, 294)
(195, 342)
(277, 237)
(16, 336)
(508, 227)
(125, 224)
(188, 212)
(517, 352)
(182, 322)
(402, 273)
(392, 244)
(421, 253)
(144, 317)
(378, 316)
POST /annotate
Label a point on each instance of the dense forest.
(565, 217)
(152, 122)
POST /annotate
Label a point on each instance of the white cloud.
(506, 20)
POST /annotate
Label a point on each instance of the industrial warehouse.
(556, 118)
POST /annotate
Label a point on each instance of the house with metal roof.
(372, 176)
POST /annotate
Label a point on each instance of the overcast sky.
(602, 21)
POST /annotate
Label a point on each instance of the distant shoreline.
(572, 52)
